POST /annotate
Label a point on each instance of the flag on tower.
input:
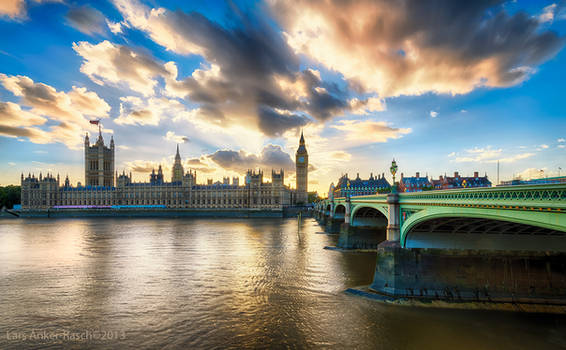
(94, 122)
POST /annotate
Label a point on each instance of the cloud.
(369, 131)
(531, 173)
(66, 113)
(172, 137)
(33, 134)
(372, 104)
(250, 74)
(548, 13)
(413, 47)
(12, 114)
(433, 114)
(272, 122)
(271, 157)
(141, 166)
(118, 65)
(561, 140)
(341, 155)
(487, 155)
(138, 111)
(16, 9)
(115, 28)
(12, 8)
(86, 20)
(543, 146)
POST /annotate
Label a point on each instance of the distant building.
(414, 183)
(543, 181)
(45, 192)
(457, 181)
(358, 187)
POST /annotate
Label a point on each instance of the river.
(219, 283)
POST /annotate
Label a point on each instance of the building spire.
(302, 140)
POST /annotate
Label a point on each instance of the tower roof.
(302, 148)
(177, 155)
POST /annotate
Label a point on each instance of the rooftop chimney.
(418, 174)
(476, 174)
(456, 174)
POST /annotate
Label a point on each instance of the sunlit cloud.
(172, 137)
(68, 112)
(404, 48)
(369, 131)
(118, 65)
(16, 9)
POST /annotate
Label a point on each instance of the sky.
(439, 85)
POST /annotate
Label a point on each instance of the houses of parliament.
(104, 187)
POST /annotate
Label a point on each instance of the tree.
(313, 196)
(10, 195)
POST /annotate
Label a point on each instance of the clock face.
(301, 159)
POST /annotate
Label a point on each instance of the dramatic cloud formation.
(369, 131)
(271, 157)
(412, 47)
(69, 112)
(252, 75)
(87, 20)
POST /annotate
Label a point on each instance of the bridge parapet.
(550, 197)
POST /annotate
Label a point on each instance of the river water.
(222, 283)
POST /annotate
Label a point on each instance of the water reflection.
(236, 283)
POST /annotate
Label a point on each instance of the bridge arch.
(339, 211)
(369, 215)
(470, 228)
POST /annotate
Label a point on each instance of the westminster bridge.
(499, 243)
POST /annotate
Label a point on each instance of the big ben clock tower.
(302, 173)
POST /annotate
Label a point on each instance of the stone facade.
(45, 192)
(99, 162)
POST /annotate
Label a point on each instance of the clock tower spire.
(302, 168)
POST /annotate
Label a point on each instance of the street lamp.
(393, 170)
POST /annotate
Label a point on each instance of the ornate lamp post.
(393, 170)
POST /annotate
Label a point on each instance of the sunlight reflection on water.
(182, 283)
